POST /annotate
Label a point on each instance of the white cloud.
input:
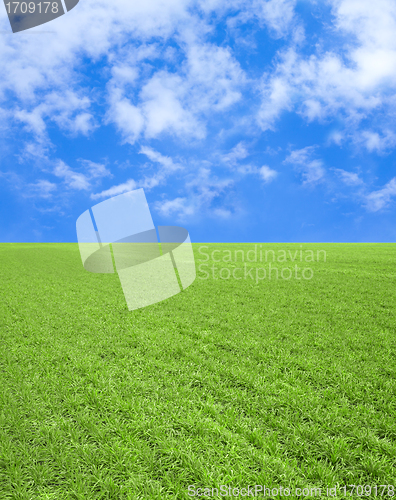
(214, 76)
(380, 199)
(209, 80)
(204, 189)
(78, 180)
(247, 169)
(312, 109)
(277, 15)
(167, 168)
(129, 185)
(33, 121)
(180, 206)
(312, 171)
(355, 79)
(83, 123)
(163, 108)
(276, 98)
(43, 188)
(147, 96)
(165, 161)
(267, 174)
(222, 213)
(74, 180)
(95, 170)
(127, 118)
(372, 141)
(348, 178)
(12, 178)
(66, 110)
(124, 74)
(239, 152)
(336, 137)
(300, 156)
(34, 64)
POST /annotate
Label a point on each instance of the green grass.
(280, 383)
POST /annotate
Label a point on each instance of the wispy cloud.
(378, 200)
(78, 180)
(177, 206)
(311, 170)
(67, 110)
(239, 152)
(348, 178)
(74, 180)
(42, 188)
(166, 162)
(203, 191)
(95, 170)
(129, 185)
(166, 168)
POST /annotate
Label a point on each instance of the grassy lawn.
(282, 382)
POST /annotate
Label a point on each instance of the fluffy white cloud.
(209, 80)
(277, 15)
(373, 141)
(355, 79)
(164, 110)
(127, 118)
(163, 74)
(267, 174)
(41, 70)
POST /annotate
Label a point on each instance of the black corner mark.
(26, 15)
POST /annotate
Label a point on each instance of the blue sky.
(243, 120)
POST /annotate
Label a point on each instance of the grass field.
(282, 382)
